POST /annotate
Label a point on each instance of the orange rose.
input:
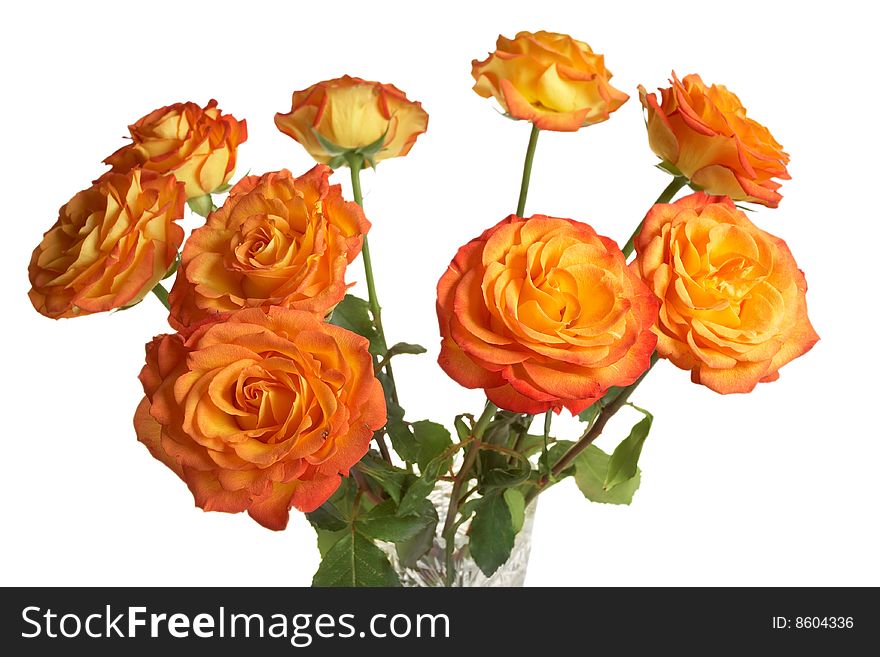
(704, 133)
(349, 114)
(261, 412)
(197, 145)
(550, 79)
(277, 241)
(734, 309)
(544, 313)
(111, 245)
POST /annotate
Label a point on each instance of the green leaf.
(591, 470)
(383, 523)
(507, 474)
(554, 453)
(329, 146)
(418, 490)
(413, 549)
(371, 150)
(531, 444)
(390, 478)
(423, 485)
(432, 439)
(342, 154)
(338, 510)
(504, 478)
(337, 161)
(403, 439)
(590, 413)
(611, 394)
(624, 462)
(354, 560)
(492, 461)
(201, 205)
(327, 518)
(516, 502)
(491, 533)
(395, 411)
(669, 168)
(461, 428)
(327, 539)
(353, 313)
(467, 509)
(405, 348)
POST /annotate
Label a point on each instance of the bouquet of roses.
(276, 389)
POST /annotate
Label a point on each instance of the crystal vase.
(430, 569)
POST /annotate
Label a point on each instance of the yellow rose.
(733, 308)
(110, 246)
(703, 132)
(277, 241)
(350, 114)
(260, 412)
(198, 146)
(550, 79)
(543, 313)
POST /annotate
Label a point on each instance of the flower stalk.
(463, 475)
(667, 195)
(610, 405)
(591, 434)
(162, 295)
(355, 165)
(527, 171)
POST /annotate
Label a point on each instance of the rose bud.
(111, 245)
(703, 133)
(349, 115)
(550, 79)
(198, 146)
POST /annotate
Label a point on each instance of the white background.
(776, 487)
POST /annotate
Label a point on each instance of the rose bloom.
(261, 412)
(199, 146)
(733, 306)
(111, 245)
(544, 313)
(277, 241)
(350, 114)
(704, 133)
(550, 79)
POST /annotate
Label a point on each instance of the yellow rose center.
(553, 291)
(726, 289)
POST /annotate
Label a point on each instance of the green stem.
(526, 179)
(355, 164)
(364, 486)
(548, 418)
(589, 435)
(162, 294)
(527, 171)
(671, 189)
(470, 457)
(612, 404)
(473, 450)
